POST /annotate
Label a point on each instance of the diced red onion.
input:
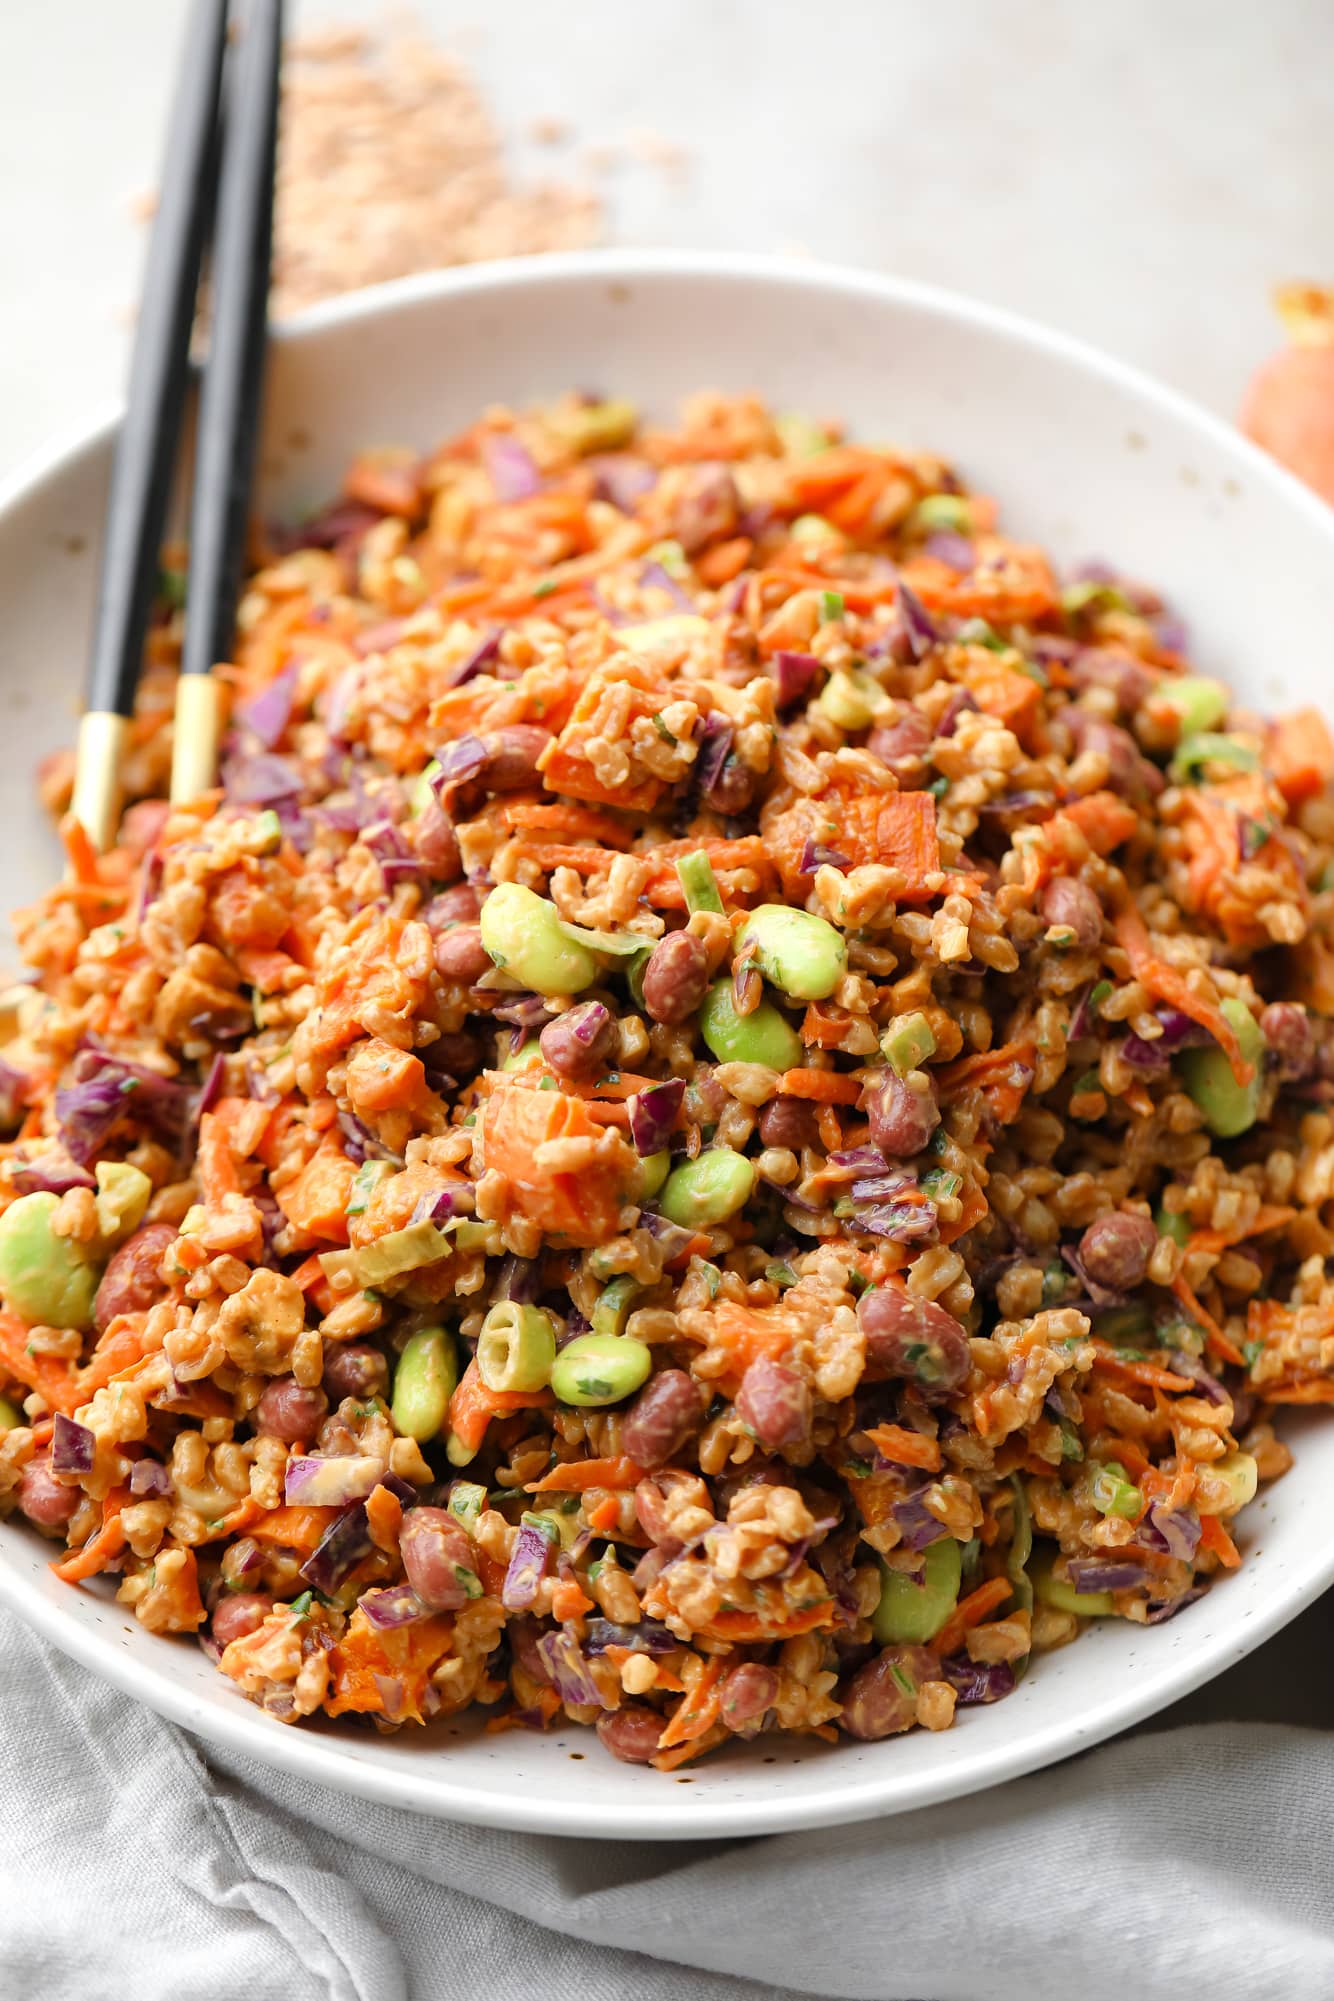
(150, 883)
(621, 479)
(212, 1086)
(818, 854)
(396, 1605)
(899, 1222)
(919, 1526)
(519, 1279)
(109, 1089)
(149, 1480)
(654, 576)
(960, 703)
(1179, 1032)
(1208, 1386)
(793, 674)
(653, 1114)
(261, 779)
(441, 1205)
(332, 1482)
(530, 1561)
(52, 1172)
(1175, 1531)
(1096, 1573)
(950, 548)
(458, 762)
(73, 1447)
(267, 714)
(336, 524)
(673, 1239)
(920, 628)
(560, 1655)
(1101, 1295)
(345, 1543)
(650, 1636)
(510, 467)
(977, 1681)
(482, 655)
(361, 1143)
(1159, 1614)
(714, 750)
(397, 860)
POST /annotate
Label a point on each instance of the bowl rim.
(425, 1786)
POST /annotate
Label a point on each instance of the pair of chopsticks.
(217, 183)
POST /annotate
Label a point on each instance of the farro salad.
(722, 1126)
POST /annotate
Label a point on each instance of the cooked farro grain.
(723, 1126)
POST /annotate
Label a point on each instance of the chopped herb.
(544, 590)
(831, 606)
(300, 1606)
(903, 1681)
(1070, 1445)
(171, 588)
(860, 1469)
(858, 1283)
(940, 1183)
(780, 1274)
(471, 1582)
(1088, 1081)
(1251, 1352)
(938, 787)
(1100, 993)
(662, 729)
(713, 1278)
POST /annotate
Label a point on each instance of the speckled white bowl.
(1086, 457)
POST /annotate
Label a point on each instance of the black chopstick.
(231, 396)
(145, 453)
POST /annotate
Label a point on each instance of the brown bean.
(1115, 1251)
(511, 756)
(355, 1370)
(46, 1501)
(631, 1734)
(239, 1613)
(733, 789)
(132, 1280)
(438, 1557)
(676, 978)
(746, 1692)
(577, 1043)
(435, 842)
(881, 1698)
(706, 507)
(460, 954)
(902, 1119)
(914, 1338)
(774, 1400)
(788, 1122)
(1286, 1028)
(1127, 769)
(1069, 902)
(1103, 667)
(459, 905)
(902, 746)
(651, 1498)
(286, 1410)
(661, 1418)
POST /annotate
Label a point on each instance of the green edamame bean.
(800, 953)
(611, 1308)
(522, 932)
(942, 510)
(425, 1379)
(913, 1612)
(44, 1278)
(10, 1416)
(516, 1347)
(597, 1369)
(707, 1190)
(654, 1169)
(762, 1036)
(1229, 1107)
(1051, 1590)
(1171, 1223)
(1200, 702)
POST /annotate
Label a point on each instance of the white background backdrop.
(1136, 171)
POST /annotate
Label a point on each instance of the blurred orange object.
(1289, 406)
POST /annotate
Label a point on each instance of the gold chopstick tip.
(96, 800)
(194, 750)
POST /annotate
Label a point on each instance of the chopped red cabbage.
(650, 1636)
(483, 654)
(509, 467)
(261, 779)
(561, 1657)
(653, 1114)
(818, 854)
(267, 714)
(397, 1605)
(975, 1681)
(920, 628)
(793, 673)
(52, 1172)
(332, 1482)
(458, 762)
(654, 576)
(345, 1543)
(950, 548)
(920, 1527)
(531, 1560)
(1096, 1573)
(73, 1447)
(1175, 1531)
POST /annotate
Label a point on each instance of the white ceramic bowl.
(1086, 457)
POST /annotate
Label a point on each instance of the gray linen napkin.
(1192, 1857)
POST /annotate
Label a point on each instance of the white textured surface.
(1136, 173)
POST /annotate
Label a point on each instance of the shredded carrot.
(384, 1517)
(98, 1551)
(695, 1747)
(698, 1711)
(1103, 819)
(560, 816)
(568, 1600)
(970, 1612)
(906, 1448)
(577, 1475)
(605, 1516)
(822, 1087)
(1148, 1374)
(51, 1378)
(1218, 1343)
(1215, 1537)
(1308, 1390)
(1300, 753)
(523, 1127)
(1168, 983)
(237, 1520)
(294, 1527)
(741, 1627)
(726, 560)
(473, 1405)
(1002, 1075)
